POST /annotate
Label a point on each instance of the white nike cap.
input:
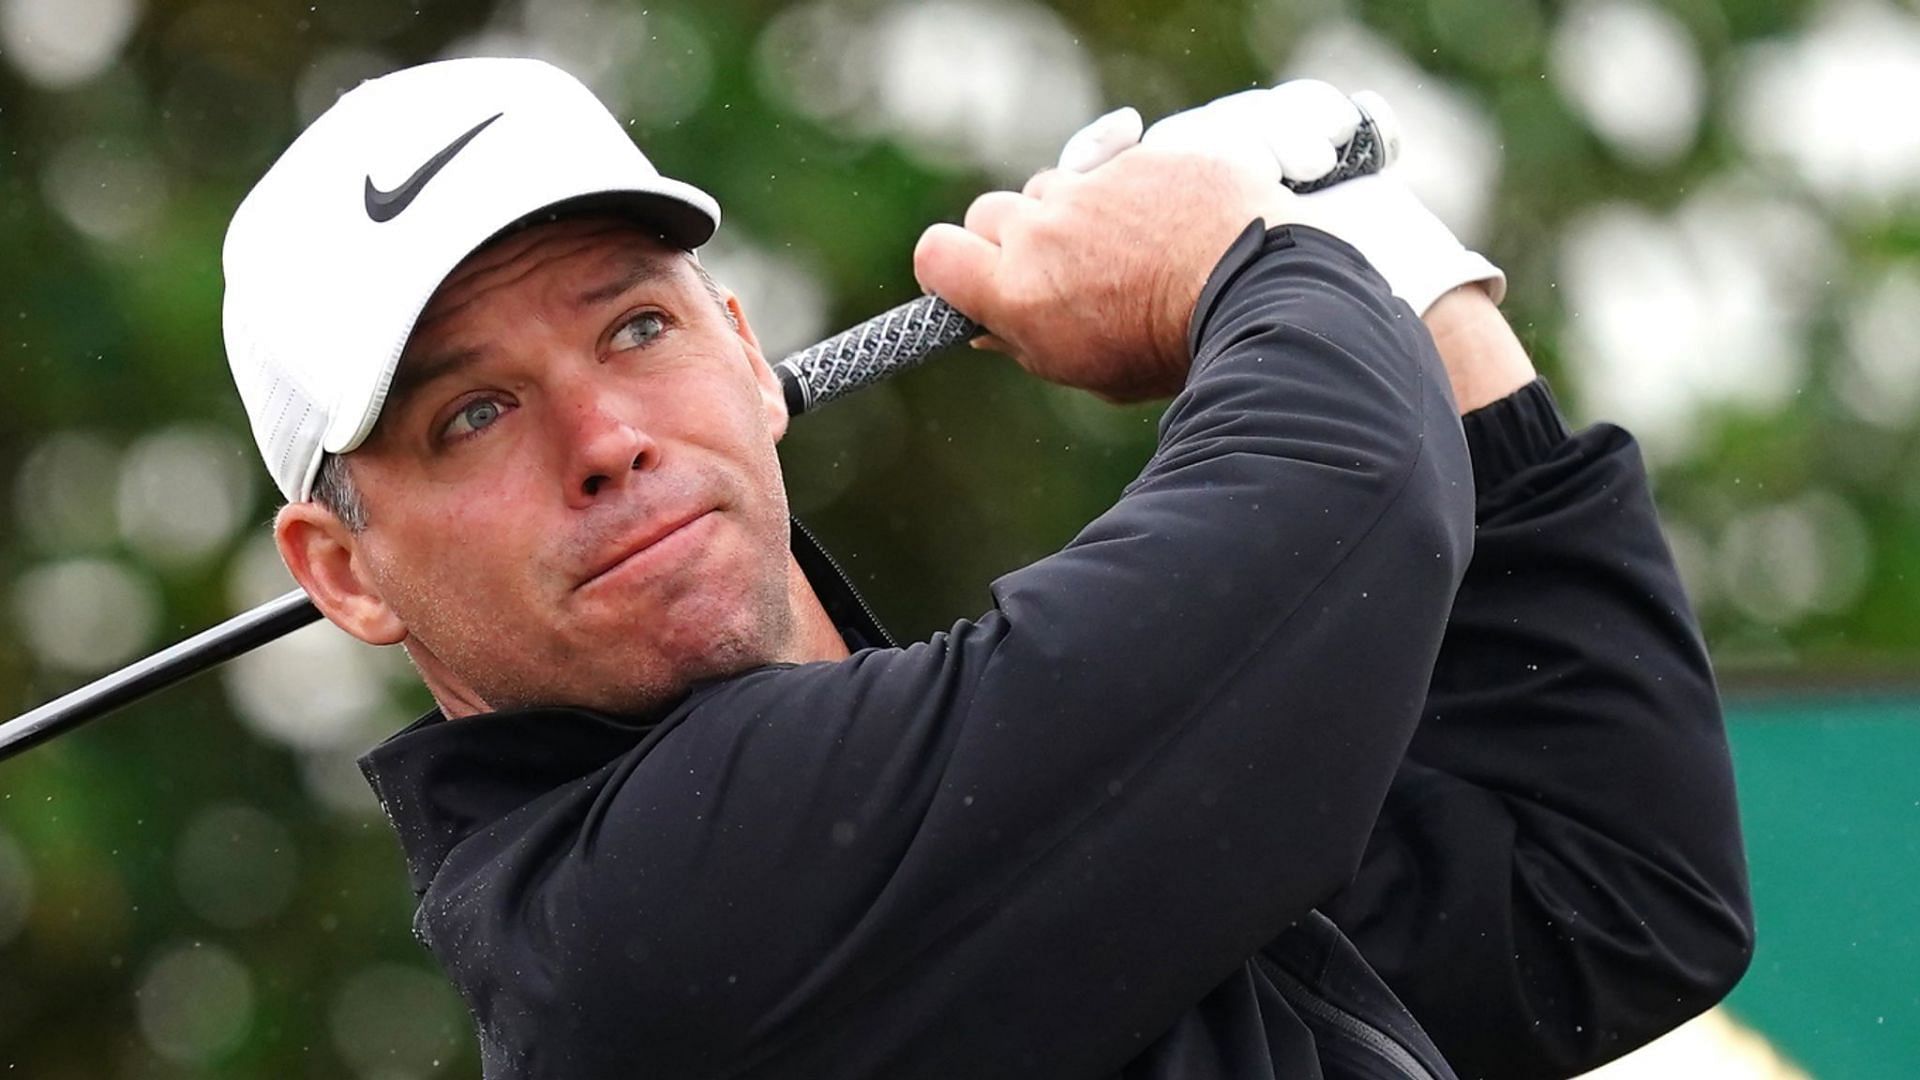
(334, 253)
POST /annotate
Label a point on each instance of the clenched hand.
(1089, 280)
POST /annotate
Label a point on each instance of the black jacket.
(1085, 835)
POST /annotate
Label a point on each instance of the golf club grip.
(906, 336)
(890, 342)
(244, 632)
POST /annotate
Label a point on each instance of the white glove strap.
(1412, 249)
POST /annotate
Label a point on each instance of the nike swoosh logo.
(387, 205)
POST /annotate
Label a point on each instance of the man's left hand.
(1294, 133)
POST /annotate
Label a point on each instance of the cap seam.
(284, 454)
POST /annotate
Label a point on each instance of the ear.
(325, 557)
(773, 400)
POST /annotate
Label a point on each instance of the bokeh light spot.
(1783, 562)
(995, 85)
(1879, 376)
(84, 615)
(61, 43)
(16, 888)
(1631, 70)
(808, 59)
(391, 1020)
(1001, 85)
(183, 491)
(670, 75)
(1672, 316)
(64, 492)
(1835, 103)
(235, 865)
(195, 1004)
(110, 190)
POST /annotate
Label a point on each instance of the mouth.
(649, 546)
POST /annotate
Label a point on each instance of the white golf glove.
(1294, 132)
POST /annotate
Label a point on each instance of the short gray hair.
(333, 488)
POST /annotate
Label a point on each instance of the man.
(683, 810)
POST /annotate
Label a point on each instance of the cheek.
(444, 545)
(724, 415)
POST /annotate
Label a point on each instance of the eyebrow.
(415, 373)
(638, 270)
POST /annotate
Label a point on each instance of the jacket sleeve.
(1558, 874)
(1027, 846)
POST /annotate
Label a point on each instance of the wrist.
(1484, 360)
(1184, 298)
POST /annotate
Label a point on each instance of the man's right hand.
(1089, 280)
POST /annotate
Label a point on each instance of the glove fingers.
(1097, 143)
(1226, 129)
(1385, 123)
(1313, 106)
(1213, 127)
(1302, 155)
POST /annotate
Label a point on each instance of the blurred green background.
(1709, 212)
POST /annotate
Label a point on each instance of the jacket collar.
(439, 781)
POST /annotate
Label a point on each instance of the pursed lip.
(639, 543)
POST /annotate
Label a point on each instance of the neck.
(814, 635)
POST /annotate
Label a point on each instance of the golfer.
(1344, 704)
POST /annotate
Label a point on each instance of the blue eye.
(474, 416)
(639, 330)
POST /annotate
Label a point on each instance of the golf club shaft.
(881, 346)
(244, 632)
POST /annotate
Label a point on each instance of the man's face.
(572, 493)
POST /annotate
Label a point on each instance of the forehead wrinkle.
(476, 283)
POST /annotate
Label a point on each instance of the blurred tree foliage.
(117, 844)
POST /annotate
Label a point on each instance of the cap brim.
(676, 218)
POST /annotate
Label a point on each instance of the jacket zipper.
(1383, 1045)
(846, 583)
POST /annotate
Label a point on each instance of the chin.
(641, 642)
(699, 634)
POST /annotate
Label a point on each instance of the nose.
(607, 449)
